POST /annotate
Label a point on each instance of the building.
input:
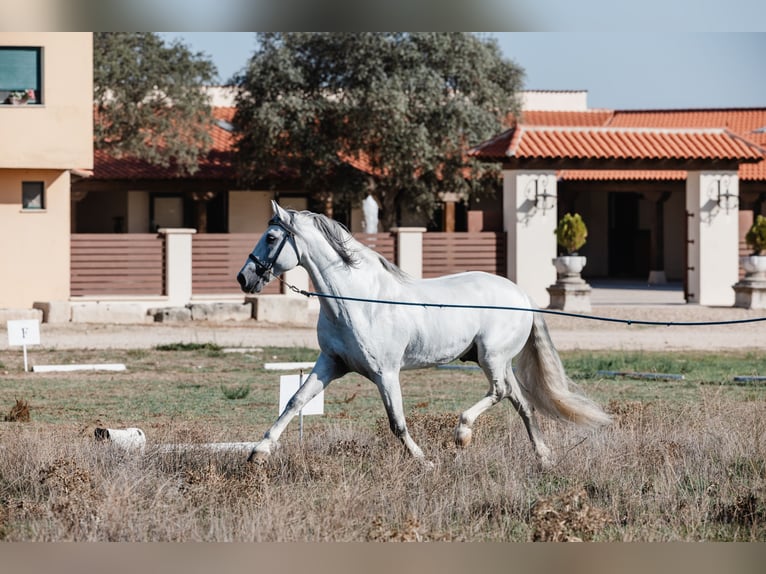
(45, 136)
(636, 211)
(667, 194)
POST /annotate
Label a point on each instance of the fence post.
(409, 250)
(178, 265)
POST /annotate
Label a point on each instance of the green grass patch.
(188, 347)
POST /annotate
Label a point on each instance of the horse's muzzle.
(252, 285)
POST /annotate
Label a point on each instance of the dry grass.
(659, 473)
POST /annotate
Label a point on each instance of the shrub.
(571, 233)
(756, 235)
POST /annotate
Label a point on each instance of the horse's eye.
(270, 239)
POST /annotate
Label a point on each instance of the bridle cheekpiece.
(264, 267)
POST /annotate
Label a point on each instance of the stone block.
(19, 314)
(750, 294)
(219, 312)
(570, 296)
(105, 312)
(54, 311)
(170, 314)
(280, 309)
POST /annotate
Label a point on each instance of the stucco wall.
(34, 257)
(57, 134)
(250, 211)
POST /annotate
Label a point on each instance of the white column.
(409, 250)
(178, 265)
(529, 216)
(712, 202)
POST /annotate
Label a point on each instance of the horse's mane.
(343, 243)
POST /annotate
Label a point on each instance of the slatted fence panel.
(216, 260)
(383, 243)
(117, 264)
(445, 253)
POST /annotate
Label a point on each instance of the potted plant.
(19, 98)
(755, 264)
(571, 234)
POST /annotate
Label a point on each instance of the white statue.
(370, 211)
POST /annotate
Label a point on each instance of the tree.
(149, 101)
(401, 108)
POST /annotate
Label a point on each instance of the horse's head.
(274, 254)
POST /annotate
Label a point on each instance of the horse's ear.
(279, 213)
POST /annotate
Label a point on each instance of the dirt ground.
(568, 333)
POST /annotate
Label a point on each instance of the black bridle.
(261, 267)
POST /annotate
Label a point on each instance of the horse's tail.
(543, 380)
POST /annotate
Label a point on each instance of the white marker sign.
(288, 385)
(23, 332)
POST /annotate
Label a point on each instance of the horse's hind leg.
(527, 415)
(497, 390)
(391, 393)
(503, 384)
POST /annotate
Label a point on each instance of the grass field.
(684, 459)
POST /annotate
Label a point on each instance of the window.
(20, 75)
(32, 195)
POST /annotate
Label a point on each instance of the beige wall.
(250, 211)
(41, 143)
(58, 134)
(34, 245)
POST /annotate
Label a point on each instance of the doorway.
(629, 245)
(167, 211)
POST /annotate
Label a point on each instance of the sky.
(625, 70)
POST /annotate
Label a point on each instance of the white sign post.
(22, 333)
(288, 386)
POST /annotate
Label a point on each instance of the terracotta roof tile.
(622, 175)
(561, 142)
(567, 134)
(566, 118)
(216, 165)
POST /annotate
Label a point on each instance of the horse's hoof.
(463, 436)
(257, 457)
(545, 462)
(261, 451)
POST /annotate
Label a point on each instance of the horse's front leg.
(326, 369)
(391, 393)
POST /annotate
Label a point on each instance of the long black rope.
(310, 294)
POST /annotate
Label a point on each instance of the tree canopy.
(149, 101)
(348, 113)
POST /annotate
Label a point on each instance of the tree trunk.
(388, 217)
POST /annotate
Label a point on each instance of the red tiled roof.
(622, 174)
(750, 123)
(216, 165)
(566, 118)
(602, 143)
(565, 134)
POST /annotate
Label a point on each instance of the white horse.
(379, 340)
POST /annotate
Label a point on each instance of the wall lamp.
(542, 200)
(725, 200)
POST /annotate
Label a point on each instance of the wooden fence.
(134, 264)
(216, 260)
(383, 243)
(445, 253)
(125, 264)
